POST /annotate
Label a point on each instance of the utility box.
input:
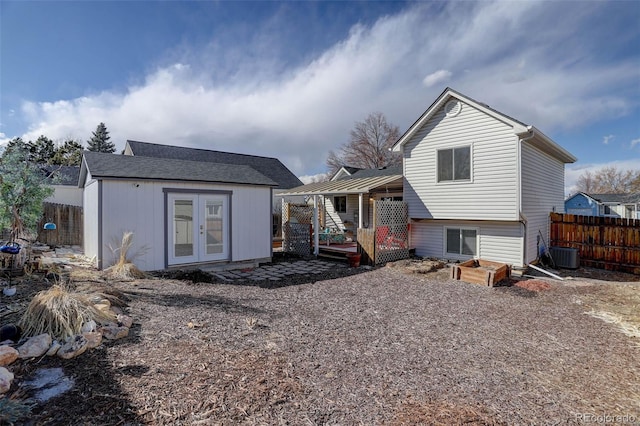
(565, 257)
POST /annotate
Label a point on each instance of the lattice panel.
(392, 231)
(296, 228)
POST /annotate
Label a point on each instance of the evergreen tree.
(68, 154)
(42, 150)
(99, 142)
(22, 190)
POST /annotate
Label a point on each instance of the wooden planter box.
(478, 271)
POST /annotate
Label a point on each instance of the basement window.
(461, 241)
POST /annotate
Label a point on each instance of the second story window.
(454, 164)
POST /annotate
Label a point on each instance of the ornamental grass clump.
(60, 313)
(124, 269)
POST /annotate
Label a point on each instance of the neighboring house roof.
(528, 132)
(269, 167)
(344, 171)
(615, 198)
(102, 165)
(344, 186)
(383, 171)
(62, 175)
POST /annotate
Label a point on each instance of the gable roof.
(62, 175)
(102, 165)
(614, 198)
(525, 131)
(272, 168)
(344, 170)
(382, 171)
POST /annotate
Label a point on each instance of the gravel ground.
(377, 347)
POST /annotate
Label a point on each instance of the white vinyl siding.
(66, 194)
(138, 206)
(542, 193)
(492, 192)
(90, 221)
(501, 242)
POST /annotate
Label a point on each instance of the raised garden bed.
(478, 271)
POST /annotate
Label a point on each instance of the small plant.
(124, 268)
(12, 410)
(60, 313)
(251, 322)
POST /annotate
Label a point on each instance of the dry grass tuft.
(60, 313)
(440, 412)
(124, 269)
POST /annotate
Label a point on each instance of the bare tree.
(369, 145)
(609, 180)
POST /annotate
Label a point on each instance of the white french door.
(198, 228)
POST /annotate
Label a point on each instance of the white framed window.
(461, 241)
(454, 164)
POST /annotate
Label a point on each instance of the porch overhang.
(346, 186)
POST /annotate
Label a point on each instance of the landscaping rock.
(6, 377)
(7, 355)
(125, 320)
(73, 347)
(35, 346)
(94, 339)
(55, 346)
(114, 332)
(89, 327)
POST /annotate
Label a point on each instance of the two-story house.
(479, 183)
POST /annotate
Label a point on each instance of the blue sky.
(290, 79)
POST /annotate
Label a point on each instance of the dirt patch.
(533, 285)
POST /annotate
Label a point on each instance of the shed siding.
(141, 209)
(542, 193)
(90, 221)
(492, 193)
(497, 241)
(66, 194)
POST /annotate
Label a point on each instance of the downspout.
(522, 218)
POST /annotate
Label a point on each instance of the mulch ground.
(360, 346)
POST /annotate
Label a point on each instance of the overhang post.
(360, 209)
(316, 235)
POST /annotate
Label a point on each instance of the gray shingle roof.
(270, 167)
(615, 198)
(367, 173)
(102, 165)
(62, 175)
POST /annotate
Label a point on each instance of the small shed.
(181, 212)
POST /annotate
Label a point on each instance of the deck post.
(316, 235)
(360, 208)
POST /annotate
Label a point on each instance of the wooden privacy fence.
(388, 239)
(603, 242)
(68, 220)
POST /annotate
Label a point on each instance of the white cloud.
(607, 139)
(635, 142)
(437, 77)
(486, 50)
(313, 178)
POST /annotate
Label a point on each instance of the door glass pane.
(469, 242)
(183, 228)
(214, 226)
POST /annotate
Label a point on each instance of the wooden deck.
(337, 251)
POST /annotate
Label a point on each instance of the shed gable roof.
(539, 139)
(102, 165)
(62, 175)
(269, 167)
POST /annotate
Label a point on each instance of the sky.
(290, 79)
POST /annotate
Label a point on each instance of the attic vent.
(452, 108)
